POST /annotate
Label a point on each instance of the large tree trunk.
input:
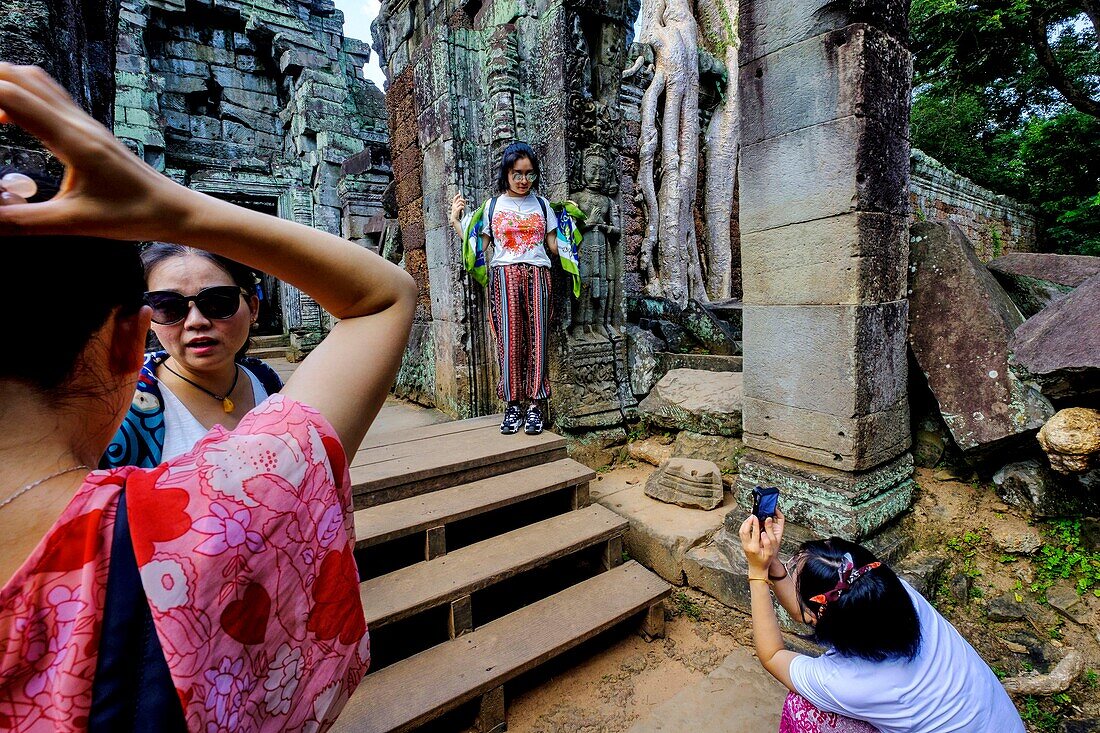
(669, 254)
(722, 141)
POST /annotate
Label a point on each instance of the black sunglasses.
(169, 307)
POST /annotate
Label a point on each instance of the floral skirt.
(800, 716)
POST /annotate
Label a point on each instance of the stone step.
(270, 342)
(277, 352)
(415, 690)
(453, 577)
(404, 463)
(431, 513)
(667, 361)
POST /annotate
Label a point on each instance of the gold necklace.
(227, 404)
(39, 482)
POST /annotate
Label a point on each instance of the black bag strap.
(489, 228)
(132, 690)
(545, 218)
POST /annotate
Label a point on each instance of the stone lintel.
(854, 259)
(844, 165)
(857, 70)
(828, 501)
(842, 360)
(844, 443)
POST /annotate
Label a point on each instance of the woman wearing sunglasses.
(518, 227)
(203, 307)
(892, 662)
(217, 590)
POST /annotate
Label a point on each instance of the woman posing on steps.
(216, 591)
(893, 663)
(203, 310)
(518, 229)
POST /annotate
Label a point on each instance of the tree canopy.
(1007, 93)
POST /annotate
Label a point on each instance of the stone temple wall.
(262, 103)
(75, 43)
(995, 224)
(465, 81)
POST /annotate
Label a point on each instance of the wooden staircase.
(480, 558)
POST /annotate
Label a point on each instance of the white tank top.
(181, 429)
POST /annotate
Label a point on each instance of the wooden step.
(431, 512)
(417, 689)
(403, 463)
(455, 576)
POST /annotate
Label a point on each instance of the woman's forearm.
(345, 279)
(765, 627)
(785, 591)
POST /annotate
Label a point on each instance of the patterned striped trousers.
(519, 314)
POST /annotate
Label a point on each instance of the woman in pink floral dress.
(218, 590)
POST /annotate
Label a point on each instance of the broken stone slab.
(1063, 598)
(660, 535)
(687, 482)
(1065, 270)
(1060, 345)
(960, 323)
(724, 452)
(700, 401)
(923, 570)
(667, 361)
(1031, 486)
(713, 333)
(1030, 294)
(1071, 440)
(1015, 537)
(1005, 608)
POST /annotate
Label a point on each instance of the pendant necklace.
(227, 404)
(39, 482)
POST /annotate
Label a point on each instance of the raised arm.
(108, 192)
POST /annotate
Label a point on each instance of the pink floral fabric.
(801, 716)
(244, 546)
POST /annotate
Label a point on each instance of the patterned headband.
(847, 574)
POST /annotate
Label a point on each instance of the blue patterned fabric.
(140, 439)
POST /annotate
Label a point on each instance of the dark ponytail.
(58, 293)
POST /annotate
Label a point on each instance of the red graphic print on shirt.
(519, 233)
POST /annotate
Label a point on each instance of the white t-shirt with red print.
(519, 230)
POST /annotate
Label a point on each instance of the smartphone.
(764, 501)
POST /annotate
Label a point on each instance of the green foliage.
(986, 107)
(1092, 679)
(1062, 556)
(1042, 716)
(686, 606)
(966, 547)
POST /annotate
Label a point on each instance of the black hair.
(61, 293)
(243, 276)
(874, 619)
(512, 153)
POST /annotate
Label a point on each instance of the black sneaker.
(510, 424)
(533, 424)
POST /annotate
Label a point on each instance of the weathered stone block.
(722, 451)
(843, 443)
(959, 327)
(844, 360)
(1031, 486)
(828, 501)
(184, 84)
(1071, 440)
(838, 167)
(641, 358)
(689, 399)
(1067, 270)
(856, 70)
(689, 482)
(1061, 344)
(849, 259)
(767, 26)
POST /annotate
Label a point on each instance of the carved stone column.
(823, 212)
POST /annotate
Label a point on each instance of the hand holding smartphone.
(765, 499)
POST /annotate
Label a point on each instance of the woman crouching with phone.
(893, 663)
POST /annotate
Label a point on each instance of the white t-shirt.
(519, 230)
(181, 429)
(946, 688)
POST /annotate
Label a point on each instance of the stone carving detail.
(600, 259)
(688, 482)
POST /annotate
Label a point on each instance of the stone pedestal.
(823, 207)
(590, 383)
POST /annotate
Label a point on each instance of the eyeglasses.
(520, 177)
(169, 307)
